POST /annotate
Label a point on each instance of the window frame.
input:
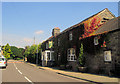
(70, 36)
(70, 55)
(47, 46)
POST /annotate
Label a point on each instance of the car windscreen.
(2, 59)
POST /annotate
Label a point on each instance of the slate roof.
(110, 25)
(50, 38)
(74, 26)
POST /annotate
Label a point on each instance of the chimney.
(55, 31)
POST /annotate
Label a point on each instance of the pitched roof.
(50, 38)
(74, 26)
(111, 25)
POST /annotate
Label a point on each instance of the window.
(46, 45)
(71, 54)
(58, 56)
(52, 56)
(48, 55)
(58, 42)
(107, 56)
(2, 59)
(70, 36)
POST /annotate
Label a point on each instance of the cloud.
(16, 40)
(27, 39)
(39, 32)
(20, 41)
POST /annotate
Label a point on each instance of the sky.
(22, 21)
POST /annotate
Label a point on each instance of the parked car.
(3, 62)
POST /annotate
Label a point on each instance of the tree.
(81, 58)
(17, 52)
(6, 51)
(31, 52)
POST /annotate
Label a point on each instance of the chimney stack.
(55, 31)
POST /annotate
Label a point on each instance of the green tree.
(31, 52)
(17, 52)
(27, 51)
(7, 51)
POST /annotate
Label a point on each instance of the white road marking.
(19, 71)
(24, 76)
(28, 80)
(15, 66)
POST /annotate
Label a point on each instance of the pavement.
(83, 76)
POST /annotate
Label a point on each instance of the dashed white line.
(28, 80)
(24, 76)
(19, 71)
(15, 66)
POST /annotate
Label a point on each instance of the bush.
(18, 58)
(81, 58)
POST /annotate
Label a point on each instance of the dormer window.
(70, 36)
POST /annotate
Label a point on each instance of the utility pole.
(34, 40)
(37, 56)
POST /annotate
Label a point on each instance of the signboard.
(107, 55)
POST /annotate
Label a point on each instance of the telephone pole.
(34, 40)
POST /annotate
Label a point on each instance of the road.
(21, 72)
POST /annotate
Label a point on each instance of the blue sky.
(21, 21)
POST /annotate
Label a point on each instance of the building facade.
(86, 44)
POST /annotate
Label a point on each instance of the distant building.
(99, 36)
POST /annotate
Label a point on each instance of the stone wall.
(95, 62)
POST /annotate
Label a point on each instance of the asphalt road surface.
(22, 72)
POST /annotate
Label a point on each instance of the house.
(48, 49)
(87, 44)
(101, 49)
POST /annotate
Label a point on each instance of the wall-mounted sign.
(107, 55)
